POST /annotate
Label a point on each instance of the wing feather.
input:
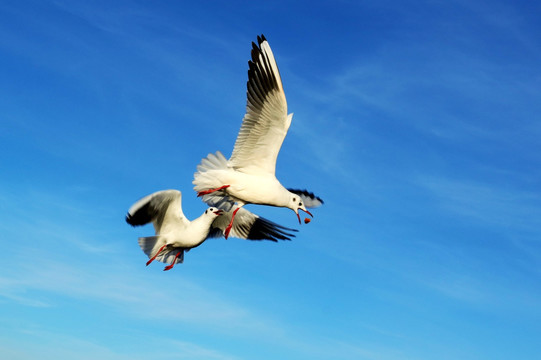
(159, 207)
(250, 226)
(266, 122)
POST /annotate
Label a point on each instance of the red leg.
(209, 191)
(169, 267)
(155, 256)
(228, 228)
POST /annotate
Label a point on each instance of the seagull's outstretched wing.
(159, 207)
(248, 225)
(266, 122)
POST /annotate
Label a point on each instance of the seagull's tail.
(151, 244)
(207, 178)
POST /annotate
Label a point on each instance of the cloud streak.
(486, 203)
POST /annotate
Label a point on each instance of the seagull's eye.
(294, 199)
(300, 204)
(206, 211)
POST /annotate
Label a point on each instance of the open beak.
(219, 212)
(306, 211)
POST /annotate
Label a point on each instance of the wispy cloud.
(47, 277)
(54, 345)
(193, 351)
(486, 203)
(137, 295)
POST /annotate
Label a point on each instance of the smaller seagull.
(176, 234)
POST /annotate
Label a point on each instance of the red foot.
(210, 191)
(169, 267)
(155, 256)
(228, 228)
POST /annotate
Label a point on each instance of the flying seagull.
(175, 234)
(248, 177)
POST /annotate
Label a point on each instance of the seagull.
(248, 177)
(176, 234)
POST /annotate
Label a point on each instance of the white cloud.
(54, 345)
(492, 205)
(129, 290)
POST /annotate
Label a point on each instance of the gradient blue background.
(418, 123)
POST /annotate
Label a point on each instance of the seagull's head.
(212, 211)
(296, 204)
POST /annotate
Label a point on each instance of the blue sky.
(416, 121)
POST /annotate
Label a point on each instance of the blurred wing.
(205, 178)
(249, 226)
(151, 244)
(159, 207)
(168, 256)
(266, 122)
(309, 199)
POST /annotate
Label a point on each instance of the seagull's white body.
(248, 177)
(245, 188)
(176, 234)
(257, 189)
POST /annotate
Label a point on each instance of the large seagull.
(248, 177)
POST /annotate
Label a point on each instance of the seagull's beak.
(306, 211)
(219, 212)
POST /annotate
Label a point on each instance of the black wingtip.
(129, 219)
(256, 51)
(139, 217)
(264, 229)
(261, 77)
(134, 220)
